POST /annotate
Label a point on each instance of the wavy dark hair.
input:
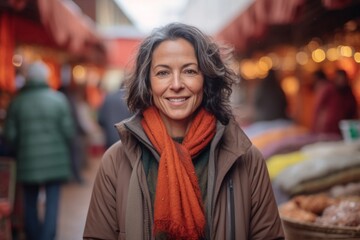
(218, 76)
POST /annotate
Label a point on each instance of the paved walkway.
(74, 204)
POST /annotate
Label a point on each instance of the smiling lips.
(182, 99)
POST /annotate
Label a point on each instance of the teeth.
(176, 99)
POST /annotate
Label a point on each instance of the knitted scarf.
(178, 210)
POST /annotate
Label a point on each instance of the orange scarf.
(179, 211)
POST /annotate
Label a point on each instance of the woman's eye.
(162, 73)
(190, 71)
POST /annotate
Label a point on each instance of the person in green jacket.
(39, 127)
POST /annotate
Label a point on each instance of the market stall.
(296, 38)
(58, 33)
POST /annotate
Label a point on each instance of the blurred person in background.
(183, 168)
(321, 86)
(112, 111)
(40, 127)
(350, 105)
(270, 101)
(334, 101)
(78, 144)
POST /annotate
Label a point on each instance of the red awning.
(254, 23)
(68, 25)
(58, 23)
(121, 52)
(336, 4)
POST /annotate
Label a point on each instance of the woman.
(183, 168)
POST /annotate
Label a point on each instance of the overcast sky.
(147, 14)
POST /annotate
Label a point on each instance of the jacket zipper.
(230, 211)
(147, 223)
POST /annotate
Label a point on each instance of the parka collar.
(133, 125)
(233, 139)
(131, 129)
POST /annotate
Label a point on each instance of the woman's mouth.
(176, 100)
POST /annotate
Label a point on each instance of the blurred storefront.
(297, 37)
(58, 33)
(65, 38)
(55, 31)
(87, 45)
(87, 55)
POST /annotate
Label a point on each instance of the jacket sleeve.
(101, 222)
(265, 221)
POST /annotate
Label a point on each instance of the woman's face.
(176, 84)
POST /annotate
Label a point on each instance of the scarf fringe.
(178, 231)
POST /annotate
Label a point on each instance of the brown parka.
(241, 202)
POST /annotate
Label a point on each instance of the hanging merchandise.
(7, 42)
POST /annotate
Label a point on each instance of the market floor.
(74, 204)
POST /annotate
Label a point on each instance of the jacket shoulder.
(113, 156)
(234, 139)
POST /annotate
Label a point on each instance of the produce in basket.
(323, 210)
(344, 213)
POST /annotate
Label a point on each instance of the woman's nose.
(176, 82)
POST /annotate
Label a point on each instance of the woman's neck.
(176, 128)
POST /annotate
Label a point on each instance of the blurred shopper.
(270, 101)
(78, 144)
(350, 105)
(113, 110)
(334, 101)
(322, 88)
(40, 127)
(320, 81)
(183, 168)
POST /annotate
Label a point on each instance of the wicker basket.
(295, 230)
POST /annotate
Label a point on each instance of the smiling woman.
(183, 169)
